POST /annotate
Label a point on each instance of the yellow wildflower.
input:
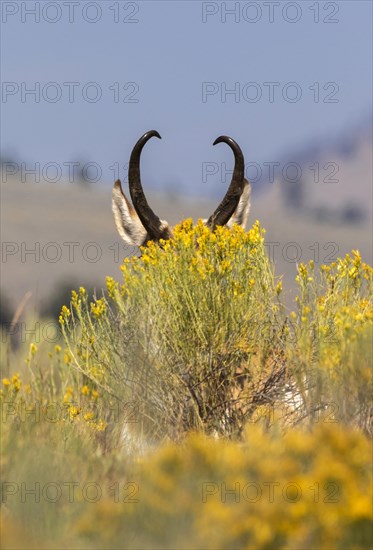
(33, 348)
(303, 270)
(98, 308)
(65, 314)
(75, 300)
(112, 286)
(73, 411)
(16, 381)
(101, 426)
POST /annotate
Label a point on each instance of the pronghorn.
(138, 224)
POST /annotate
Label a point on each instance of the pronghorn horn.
(150, 221)
(228, 205)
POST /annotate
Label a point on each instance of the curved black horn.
(228, 205)
(150, 221)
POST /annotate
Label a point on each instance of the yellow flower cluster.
(98, 308)
(65, 314)
(112, 287)
(196, 249)
(85, 390)
(14, 383)
(75, 407)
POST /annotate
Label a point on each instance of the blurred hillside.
(59, 236)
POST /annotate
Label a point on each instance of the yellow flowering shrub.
(306, 490)
(12, 385)
(192, 334)
(330, 351)
(54, 395)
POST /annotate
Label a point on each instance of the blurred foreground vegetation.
(187, 408)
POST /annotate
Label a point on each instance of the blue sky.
(163, 61)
